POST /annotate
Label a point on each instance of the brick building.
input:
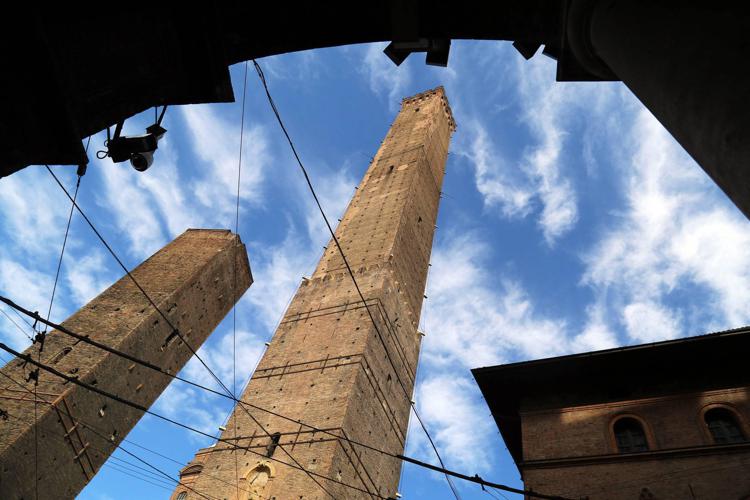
(328, 365)
(668, 420)
(54, 437)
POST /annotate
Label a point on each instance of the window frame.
(650, 442)
(739, 419)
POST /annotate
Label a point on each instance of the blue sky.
(571, 221)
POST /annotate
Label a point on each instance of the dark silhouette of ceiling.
(71, 72)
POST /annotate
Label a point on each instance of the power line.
(42, 335)
(137, 406)
(102, 435)
(234, 270)
(175, 331)
(478, 480)
(62, 250)
(16, 325)
(121, 462)
(493, 495)
(234, 273)
(244, 404)
(98, 433)
(117, 468)
(275, 110)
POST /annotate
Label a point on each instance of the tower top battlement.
(427, 94)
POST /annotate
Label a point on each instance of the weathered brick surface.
(192, 281)
(572, 451)
(326, 365)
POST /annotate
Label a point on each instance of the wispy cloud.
(132, 208)
(303, 65)
(27, 287)
(675, 235)
(457, 422)
(198, 408)
(538, 181)
(485, 319)
(597, 333)
(500, 184)
(165, 185)
(385, 78)
(87, 276)
(216, 143)
(334, 189)
(35, 212)
(545, 104)
(278, 272)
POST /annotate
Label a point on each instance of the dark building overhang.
(71, 72)
(691, 364)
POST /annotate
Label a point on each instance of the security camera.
(141, 161)
(139, 150)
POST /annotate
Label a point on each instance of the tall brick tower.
(56, 436)
(327, 365)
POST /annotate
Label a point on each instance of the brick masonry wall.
(572, 451)
(192, 281)
(326, 364)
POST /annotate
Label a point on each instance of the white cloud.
(36, 210)
(133, 209)
(216, 142)
(278, 272)
(385, 77)
(547, 106)
(498, 183)
(219, 355)
(539, 182)
(676, 234)
(649, 322)
(597, 333)
(302, 65)
(458, 423)
(484, 319)
(87, 276)
(335, 190)
(190, 406)
(26, 286)
(165, 185)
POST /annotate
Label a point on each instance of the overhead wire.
(40, 337)
(16, 325)
(493, 495)
(123, 469)
(234, 268)
(138, 406)
(233, 395)
(117, 468)
(275, 110)
(96, 432)
(175, 331)
(134, 359)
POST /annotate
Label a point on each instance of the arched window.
(630, 436)
(182, 495)
(723, 426)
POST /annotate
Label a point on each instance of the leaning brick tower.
(327, 365)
